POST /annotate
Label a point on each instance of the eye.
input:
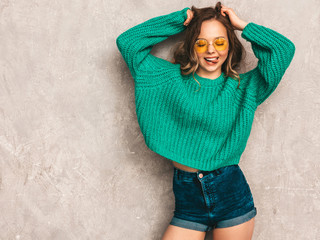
(220, 41)
(201, 43)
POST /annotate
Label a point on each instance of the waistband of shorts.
(216, 172)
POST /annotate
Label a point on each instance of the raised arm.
(136, 43)
(275, 53)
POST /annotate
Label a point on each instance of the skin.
(210, 29)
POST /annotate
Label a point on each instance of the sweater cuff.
(248, 29)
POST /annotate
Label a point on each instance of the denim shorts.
(205, 200)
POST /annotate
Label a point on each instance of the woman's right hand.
(189, 18)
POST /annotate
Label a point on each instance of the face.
(212, 30)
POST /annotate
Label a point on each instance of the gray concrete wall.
(73, 163)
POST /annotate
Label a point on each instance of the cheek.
(200, 58)
(224, 55)
(199, 55)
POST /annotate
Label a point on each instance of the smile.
(211, 61)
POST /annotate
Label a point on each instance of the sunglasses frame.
(213, 43)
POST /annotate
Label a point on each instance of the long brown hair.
(185, 54)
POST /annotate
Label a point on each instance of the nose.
(211, 48)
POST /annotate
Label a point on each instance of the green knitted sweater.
(207, 129)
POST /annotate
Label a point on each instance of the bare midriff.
(184, 167)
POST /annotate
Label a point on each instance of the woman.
(198, 111)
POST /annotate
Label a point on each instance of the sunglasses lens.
(201, 45)
(220, 44)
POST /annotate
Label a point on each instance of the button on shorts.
(205, 200)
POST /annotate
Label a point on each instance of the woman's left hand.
(236, 22)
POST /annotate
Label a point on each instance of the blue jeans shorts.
(205, 200)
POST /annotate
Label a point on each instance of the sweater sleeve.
(274, 52)
(136, 43)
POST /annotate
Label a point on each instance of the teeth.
(211, 58)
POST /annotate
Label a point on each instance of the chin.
(211, 68)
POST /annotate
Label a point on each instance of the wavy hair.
(185, 54)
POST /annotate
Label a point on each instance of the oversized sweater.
(209, 128)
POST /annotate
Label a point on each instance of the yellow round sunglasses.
(201, 44)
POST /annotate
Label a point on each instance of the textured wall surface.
(73, 163)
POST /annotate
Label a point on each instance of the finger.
(224, 11)
(188, 16)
